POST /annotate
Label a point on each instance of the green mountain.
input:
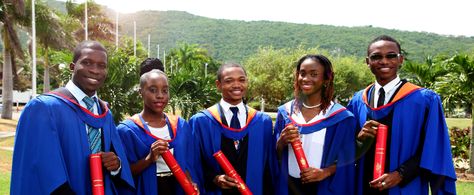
(235, 40)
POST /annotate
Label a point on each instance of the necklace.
(310, 107)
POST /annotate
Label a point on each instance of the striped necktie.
(92, 133)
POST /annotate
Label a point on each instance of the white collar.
(77, 92)
(389, 86)
(226, 106)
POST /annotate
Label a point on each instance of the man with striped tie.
(58, 131)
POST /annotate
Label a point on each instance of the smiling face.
(232, 85)
(155, 92)
(384, 60)
(311, 77)
(90, 70)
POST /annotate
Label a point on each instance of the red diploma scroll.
(178, 173)
(380, 150)
(230, 171)
(299, 154)
(97, 178)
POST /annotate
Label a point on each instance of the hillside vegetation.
(236, 40)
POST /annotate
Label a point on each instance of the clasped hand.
(110, 161)
(368, 130)
(225, 182)
(289, 134)
(311, 174)
(156, 149)
(386, 181)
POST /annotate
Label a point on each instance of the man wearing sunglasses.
(418, 151)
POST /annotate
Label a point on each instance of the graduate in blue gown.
(325, 128)
(151, 132)
(418, 153)
(52, 147)
(245, 138)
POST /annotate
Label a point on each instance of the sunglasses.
(378, 57)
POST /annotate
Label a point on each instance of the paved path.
(5, 134)
(9, 133)
(6, 148)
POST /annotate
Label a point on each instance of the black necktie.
(381, 100)
(234, 123)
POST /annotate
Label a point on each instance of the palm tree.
(10, 12)
(462, 83)
(51, 35)
(99, 25)
(190, 57)
(191, 60)
(424, 74)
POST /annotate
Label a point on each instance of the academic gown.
(207, 130)
(339, 148)
(416, 111)
(137, 140)
(52, 147)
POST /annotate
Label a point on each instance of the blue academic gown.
(339, 148)
(52, 147)
(416, 111)
(207, 129)
(137, 140)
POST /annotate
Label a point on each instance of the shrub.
(460, 141)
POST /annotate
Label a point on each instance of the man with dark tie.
(418, 151)
(243, 134)
(58, 131)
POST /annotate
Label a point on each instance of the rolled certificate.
(299, 154)
(97, 179)
(178, 173)
(380, 150)
(230, 171)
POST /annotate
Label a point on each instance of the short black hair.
(144, 77)
(384, 38)
(150, 64)
(228, 65)
(87, 44)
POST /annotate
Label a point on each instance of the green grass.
(5, 171)
(458, 122)
(463, 187)
(5, 182)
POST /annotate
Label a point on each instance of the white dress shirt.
(389, 89)
(79, 95)
(313, 143)
(242, 114)
(163, 133)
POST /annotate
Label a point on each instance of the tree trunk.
(46, 84)
(7, 88)
(471, 159)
